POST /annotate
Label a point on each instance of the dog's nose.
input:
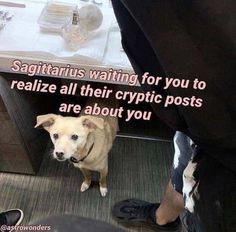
(59, 154)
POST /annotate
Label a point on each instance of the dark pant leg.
(135, 43)
(144, 59)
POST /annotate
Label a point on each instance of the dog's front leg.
(103, 182)
(87, 179)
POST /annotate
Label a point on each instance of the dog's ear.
(92, 122)
(45, 121)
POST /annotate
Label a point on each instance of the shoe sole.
(145, 225)
(21, 217)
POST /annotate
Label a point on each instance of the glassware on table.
(86, 19)
(73, 33)
(55, 15)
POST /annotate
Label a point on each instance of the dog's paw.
(84, 187)
(103, 191)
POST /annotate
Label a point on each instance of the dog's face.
(68, 134)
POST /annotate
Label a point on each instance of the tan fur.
(99, 131)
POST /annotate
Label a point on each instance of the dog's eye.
(74, 137)
(55, 136)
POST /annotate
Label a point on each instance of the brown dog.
(84, 140)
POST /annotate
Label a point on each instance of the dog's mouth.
(60, 159)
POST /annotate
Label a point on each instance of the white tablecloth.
(22, 37)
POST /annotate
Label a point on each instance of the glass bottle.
(73, 33)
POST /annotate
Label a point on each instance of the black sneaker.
(141, 213)
(11, 217)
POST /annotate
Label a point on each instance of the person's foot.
(10, 218)
(138, 212)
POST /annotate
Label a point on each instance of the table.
(21, 146)
(103, 52)
(22, 39)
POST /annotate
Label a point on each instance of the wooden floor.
(137, 169)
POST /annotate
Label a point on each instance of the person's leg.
(133, 40)
(164, 216)
(171, 206)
